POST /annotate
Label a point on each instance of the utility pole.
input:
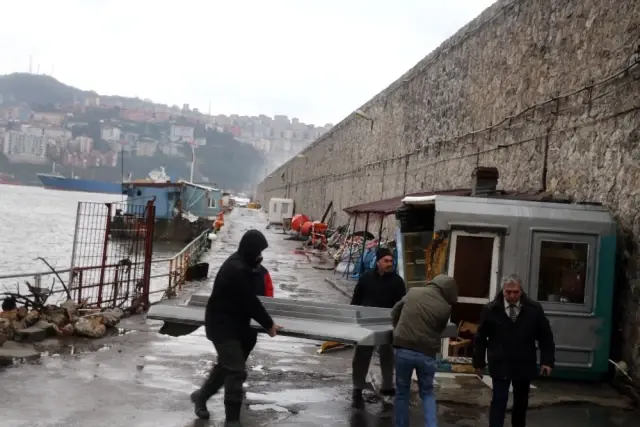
(193, 159)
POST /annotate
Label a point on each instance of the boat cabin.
(201, 200)
(563, 252)
(173, 198)
(165, 195)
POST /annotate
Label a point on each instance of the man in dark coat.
(232, 305)
(380, 287)
(509, 327)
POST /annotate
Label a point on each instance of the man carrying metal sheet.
(418, 322)
(232, 305)
(383, 288)
(509, 328)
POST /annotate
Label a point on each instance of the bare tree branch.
(27, 302)
(64, 286)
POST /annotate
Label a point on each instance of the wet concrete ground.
(141, 378)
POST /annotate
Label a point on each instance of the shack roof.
(173, 184)
(200, 186)
(152, 184)
(389, 206)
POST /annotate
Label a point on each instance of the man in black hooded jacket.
(232, 305)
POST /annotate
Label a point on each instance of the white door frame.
(495, 269)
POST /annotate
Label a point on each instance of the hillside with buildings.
(44, 123)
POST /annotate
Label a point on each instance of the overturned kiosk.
(563, 251)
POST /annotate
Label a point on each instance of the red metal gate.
(112, 250)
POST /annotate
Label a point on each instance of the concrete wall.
(542, 89)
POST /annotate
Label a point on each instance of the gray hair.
(512, 278)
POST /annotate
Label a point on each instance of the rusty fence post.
(170, 273)
(150, 211)
(79, 288)
(105, 253)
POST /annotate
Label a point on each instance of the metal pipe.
(364, 243)
(75, 238)
(355, 220)
(380, 230)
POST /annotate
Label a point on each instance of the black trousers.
(230, 371)
(501, 397)
(362, 359)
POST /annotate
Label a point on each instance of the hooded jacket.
(233, 301)
(421, 316)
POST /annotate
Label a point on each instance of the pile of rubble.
(67, 319)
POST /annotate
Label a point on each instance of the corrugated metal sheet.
(342, 323)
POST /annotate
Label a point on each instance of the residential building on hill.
(24, 147)
(111, 133)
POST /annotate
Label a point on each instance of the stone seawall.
(544, 90)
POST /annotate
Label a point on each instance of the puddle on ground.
(268, 407)
(71, 349)
(307, 361)
(294, 396)
(296, 289)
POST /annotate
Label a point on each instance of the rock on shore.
(67, 319)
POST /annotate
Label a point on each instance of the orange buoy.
(298, 221)
(306, 228)
(319, 227)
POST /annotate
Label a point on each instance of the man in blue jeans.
(418, 322)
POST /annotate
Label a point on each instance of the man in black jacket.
(232, 305)
(380, 287)
(509, 327)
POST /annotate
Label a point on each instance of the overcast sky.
(316, 60)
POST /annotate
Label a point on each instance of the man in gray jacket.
(418, 321)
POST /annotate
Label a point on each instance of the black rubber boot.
(356, 399)
(211, 386)
(200, 404)
(387, 392)
(232, 415)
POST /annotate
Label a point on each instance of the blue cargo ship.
(60, 182)
(57, 181)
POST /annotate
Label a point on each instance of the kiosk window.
(562, 274)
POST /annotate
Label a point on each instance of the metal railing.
(168, 276)
(180, 262)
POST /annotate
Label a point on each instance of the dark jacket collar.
(498, 301)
